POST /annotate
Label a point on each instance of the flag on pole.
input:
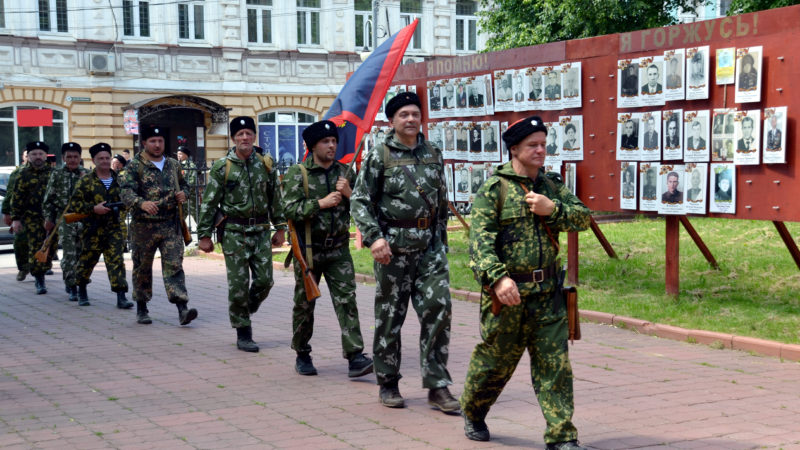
(358, 102)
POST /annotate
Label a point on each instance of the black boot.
(73, 293)
(122, 302)
(40, 287)
(185, 315)
(141, 313)
(83, 296)
(303, 364)
(244, 340)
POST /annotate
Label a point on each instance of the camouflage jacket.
(383, 191)
(189, 172)
(6, 208)
(142, 181)
(509, 238)
(28, 191)
(59, 190)
(250, 190)
(89, 191)
(330, 222)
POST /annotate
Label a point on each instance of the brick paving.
(86, 378)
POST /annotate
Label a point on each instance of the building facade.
(105, 67)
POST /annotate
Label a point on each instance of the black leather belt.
(248, 221)
(422, 223)
(331, 242)
(538, 275)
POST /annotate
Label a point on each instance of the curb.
(789, 352)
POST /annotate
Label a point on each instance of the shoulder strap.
(266, 161)
(546, 228)
(501, 199)
(307, 223)
(419, 189)
(227, 170)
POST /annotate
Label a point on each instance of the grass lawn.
(755, 293)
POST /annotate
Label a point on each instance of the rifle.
(44, 252)
(187, 237)
(74, 217)
(310, 284)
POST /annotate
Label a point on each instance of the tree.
(746, 6)
(518, 23)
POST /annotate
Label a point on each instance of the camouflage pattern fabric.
(189, 172)
(247, 253)
(508, 238)
(250, 191)
(20, 239)
(143, 181)
(26, 205)
(334, 263)
(418, 270)
(57, 194)
(101, 234)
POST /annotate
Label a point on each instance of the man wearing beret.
(102, 232)
(400, 206)
(20, 241)
(244, 187)
(152, 188)
(516, 259)
(26, 208)
(316, 196)
(57, 194)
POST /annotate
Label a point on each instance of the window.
(53, 12)
(280, 134)
(308, 22)
(724, 6)
(410, 10)
(190, 20)
(363, 10)
(259, 21)
(135, 18)
(466, 25)
(14, 138)
(2, 14)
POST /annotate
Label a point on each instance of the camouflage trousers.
(109, 243)
(69, 236)
(337, 267)
(539, 325)
(36, 234)
(164, 237)
(21, 250)
(424, 278)
(246, 253)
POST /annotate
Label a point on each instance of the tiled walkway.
(90, 377)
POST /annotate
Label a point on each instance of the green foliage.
(519, 23)
(746, 6)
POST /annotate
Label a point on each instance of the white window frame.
(260, 10)
(54, 12)
(136, 17)
(366, 34)
(406, 18)
(64, 120)
(306, 14)
(192, 26)
(467, 38)
(282, 118)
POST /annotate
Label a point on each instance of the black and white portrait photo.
(748, 74)
(697, 73)
(775, 135)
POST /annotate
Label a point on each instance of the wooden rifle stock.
(312, 289)
(187, 237)
(74, 217)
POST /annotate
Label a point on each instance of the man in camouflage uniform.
(316, 196)
(513, 216)
(189, 172)
(20, 241)
(57, 194)
(102, 228)
(244, 187)
(400, 206)
(152, 187)
(26, 208)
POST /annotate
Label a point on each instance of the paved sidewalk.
(73, 377)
